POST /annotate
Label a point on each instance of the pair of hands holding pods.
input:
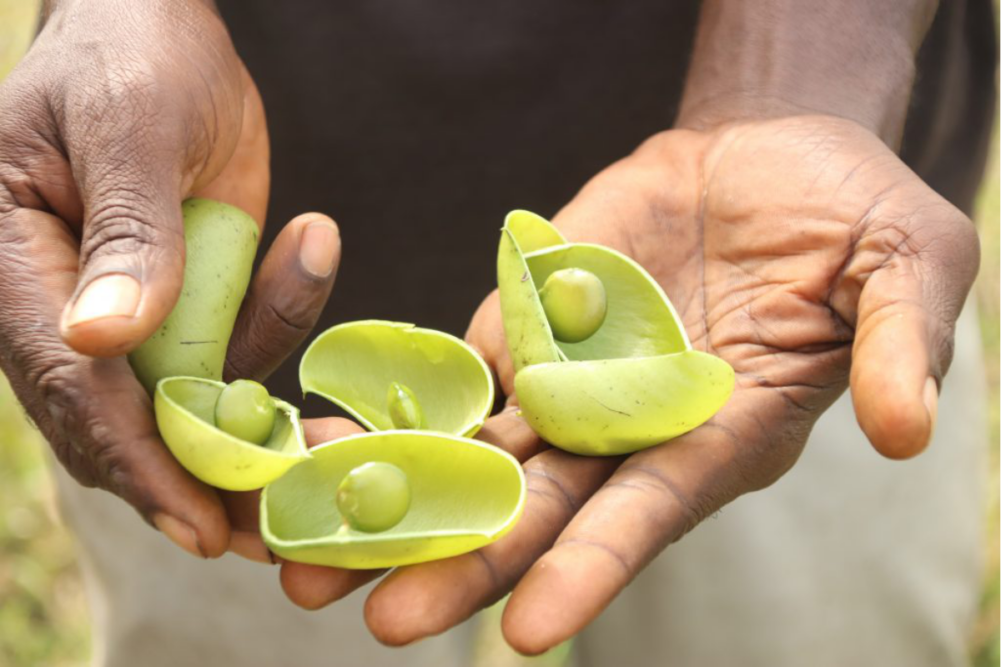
(800, 250)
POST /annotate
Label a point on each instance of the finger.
(320, 431)
(94, 412)
(509, 431)
(249, 545)
(427, 599)
(314, 586)
(242, 508)
(914, 274)
(486, 335)
(128, 163)
(286, 297)
(653, 499)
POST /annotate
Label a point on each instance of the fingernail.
(179, 533)
(931, 404)
(114, 295)
(317, 248)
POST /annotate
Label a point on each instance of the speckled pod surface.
(636, 382)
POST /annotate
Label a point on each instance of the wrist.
(118, 8)
(775, 58)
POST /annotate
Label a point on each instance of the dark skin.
(789, 236)
(814, 245)
(795, 245)
(118, 112)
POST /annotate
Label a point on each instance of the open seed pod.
(181, 364)
(391, 375)
(464, 494)
(424, 392)
(185, 413)
(632, 380)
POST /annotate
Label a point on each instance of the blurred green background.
(43, 612)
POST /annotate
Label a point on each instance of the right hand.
(118, 112)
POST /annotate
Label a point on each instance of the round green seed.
(575, 304)
(374, 497)
(246, 411)
(405, 411)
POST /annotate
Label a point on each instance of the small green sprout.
(404, 410)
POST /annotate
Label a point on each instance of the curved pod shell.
(622, 405)
(354, 365)
(221, 241)
(464, 495)
(185, 409)
(634, 383)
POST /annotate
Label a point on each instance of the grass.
(43, 614)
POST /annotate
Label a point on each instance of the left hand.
(803, 252)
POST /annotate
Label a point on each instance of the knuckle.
(652, 483)
(117, 227)
(84, 440)
(11, 234)
(545, 485)
(268, 334)
(294, 316)
(74, 462)
(72, 457)
(115, 89)
(55, 380)
(110, 465)
(237, 367)
(889, 241)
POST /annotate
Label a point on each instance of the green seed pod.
(245, 410)
(220, 242)
(181, 364)
(464, 494)
(633, 382)
(186, 416)
(575, 304)
(404, 410)
(373, 497)
(353, 363)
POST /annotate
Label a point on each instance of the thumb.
(131, 261)
(286, 297)
(912, 274)
(134, 153)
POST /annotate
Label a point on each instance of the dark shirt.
(419, 125)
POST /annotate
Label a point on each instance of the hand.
(789, 247)
(118, 112)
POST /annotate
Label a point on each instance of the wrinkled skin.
(118, 112)
(789, 247)
(803, 252)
